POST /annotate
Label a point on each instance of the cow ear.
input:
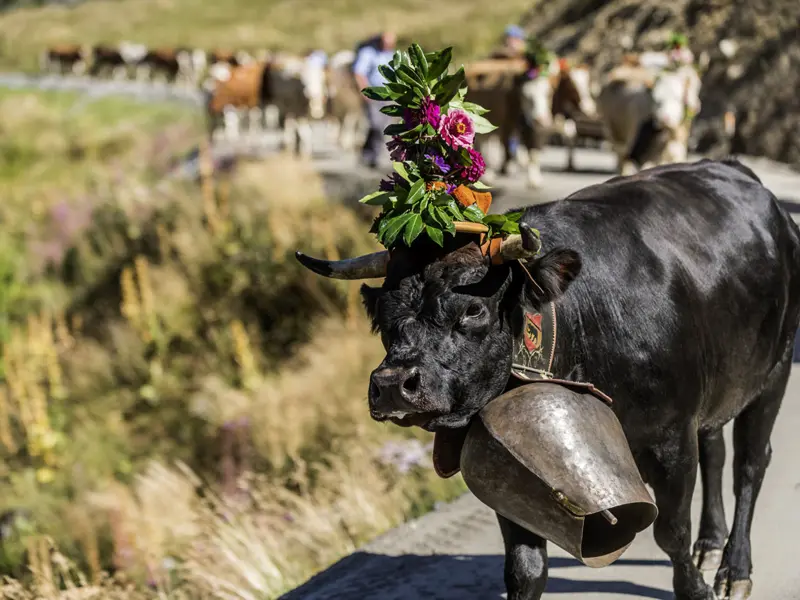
(553, 273)
(369, 296)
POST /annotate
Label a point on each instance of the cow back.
(242, 90)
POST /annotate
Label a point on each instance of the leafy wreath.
(431, 150)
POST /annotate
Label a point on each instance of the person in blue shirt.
(369, 56)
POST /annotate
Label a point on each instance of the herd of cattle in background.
(248, 94)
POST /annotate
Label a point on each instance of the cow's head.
(444, 319)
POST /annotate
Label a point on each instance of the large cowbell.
(553, 458)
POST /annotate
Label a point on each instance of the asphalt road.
(456, 553)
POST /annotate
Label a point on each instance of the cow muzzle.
(395, 393)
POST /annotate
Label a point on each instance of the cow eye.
(474, 310)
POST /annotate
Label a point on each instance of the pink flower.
(475, 171)
(457, 129)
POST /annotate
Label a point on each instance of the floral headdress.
(432, 154)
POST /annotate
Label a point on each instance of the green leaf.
(480, 186)
(393, 110)
(416, 192)
(494, 219)
(474, 108)
(439, 64)
(419, 60)
(377, 93)
(510, 227)
(412, 134)
(375, 198)
(394, 227)
(482, 125)
(394, 129)
(413, 229)
(401, 170)
(425, 202)
(447, 88)
(397, 59)
(388, 73)
(398, 88)
(407, 75)
(474, 214)
(441, 217)
(455, 210)
(435, 234)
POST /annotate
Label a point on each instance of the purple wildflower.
(397, 149)
(387, 185)
(473, 172)
(403, 455)
(439, 161)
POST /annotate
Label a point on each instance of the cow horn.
(369, 266)
(522, 246)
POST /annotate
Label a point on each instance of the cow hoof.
(707, 559)
(733, 590)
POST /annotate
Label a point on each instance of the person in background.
(369, 56)
(513, 44)
(679, 51)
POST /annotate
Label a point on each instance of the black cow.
(678, 294)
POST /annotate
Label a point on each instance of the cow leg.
(271, 116)
(290, 134)
(305, 138)
(526, 562)
(713, 529)
(752, 453)
(119, 72)
(570, 135)
(673, 479)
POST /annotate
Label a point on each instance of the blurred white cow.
(652, 96)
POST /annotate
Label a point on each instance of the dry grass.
(62, 147)
(293, 25)
(181, 403)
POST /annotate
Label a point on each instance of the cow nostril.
(374, 390)
(411, 385)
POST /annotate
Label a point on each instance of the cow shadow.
(364, 576)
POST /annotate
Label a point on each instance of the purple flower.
(439, 161)
(457, 129)
(473, 172)
(404, 454)
(431, 113)
(387, 185)
(397, 149)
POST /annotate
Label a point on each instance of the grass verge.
(182, 405)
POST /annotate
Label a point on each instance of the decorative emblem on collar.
(534, 341)
(532, 333)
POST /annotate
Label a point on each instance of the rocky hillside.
(753, 47)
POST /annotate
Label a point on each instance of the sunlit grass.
(293, 25)
(181, 402)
